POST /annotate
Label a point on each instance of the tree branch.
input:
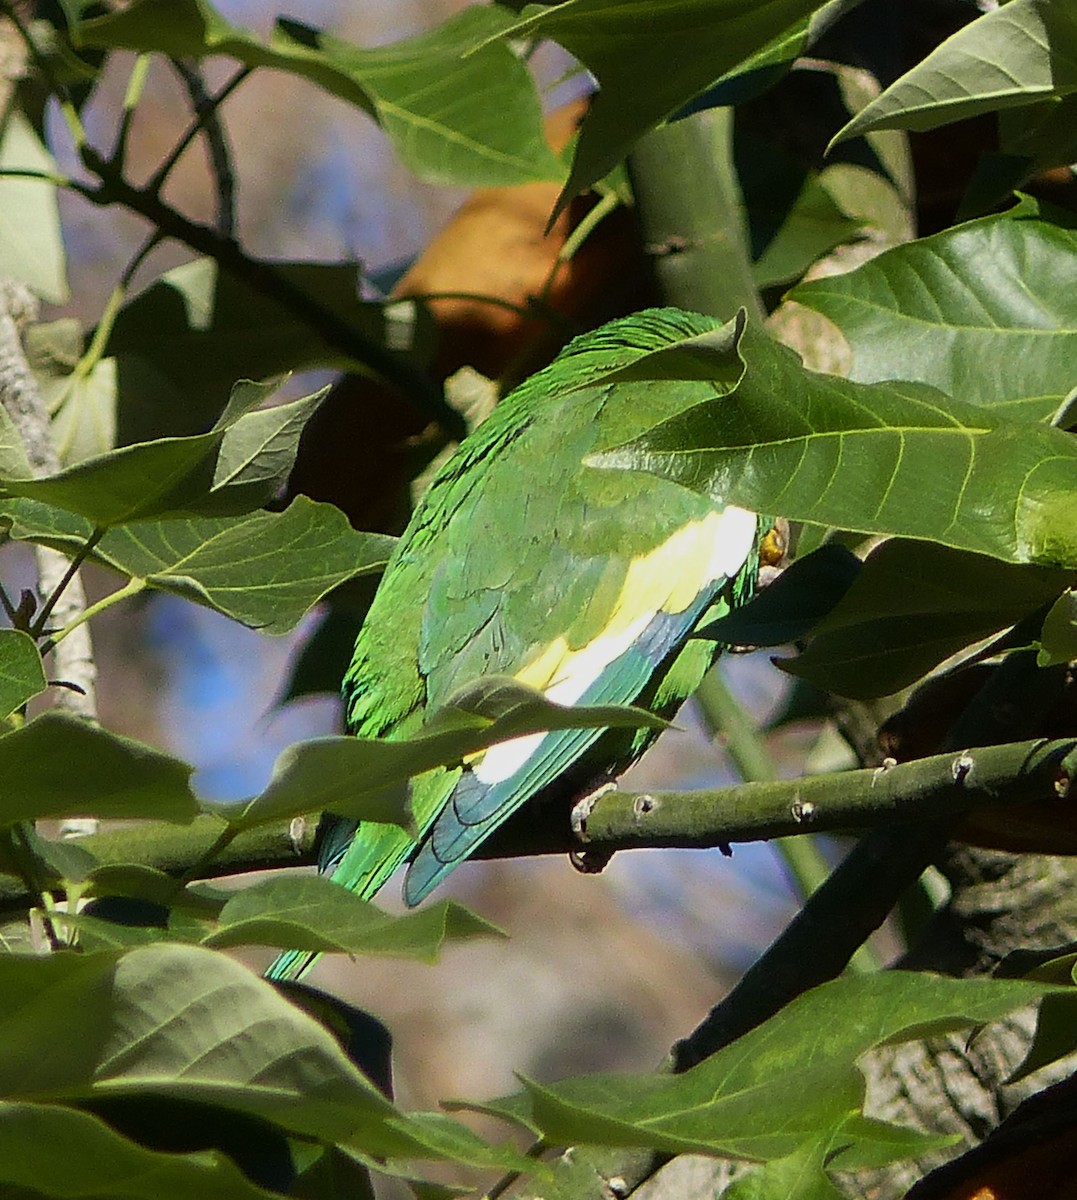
(942, 788)
(72, 659)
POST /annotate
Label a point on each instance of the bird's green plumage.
(519, 561)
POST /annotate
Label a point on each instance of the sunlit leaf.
(31, 244)
(22, 674)
(312, 913)
(982, 311)
(264, 569)
(366, 778)
(458, 110)
(779, 1087)
(895, 458)
(1019, 52)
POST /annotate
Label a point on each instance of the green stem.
(587, 225)
(691, 215)
(136, 84)
(221, 843)
(113, 306)
(131, 588)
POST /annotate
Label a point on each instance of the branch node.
(644, 804)
(882, 768)
(961, 767)
(803, 811)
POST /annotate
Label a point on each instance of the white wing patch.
(668, 579)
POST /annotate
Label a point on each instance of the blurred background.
(599, 972)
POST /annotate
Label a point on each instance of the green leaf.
(61, 766)
(365, 778)
(82, 406)
(177, 476)
(31, 243)
(798, 1176)
(794, 603)
(184, 1023)
(813, 227)
(912, 605)
(780, 1087)
(258, 451)
(1022, 51)
(1044, 134)
(1055, 1036)
(139, 882)
(895, 458)
(649, 61)
(265, 569)
(457, 108)
(47, 1150)
(1004, 334)
(22, 674)
(1058, 639)
(181, 344)
(313, 913)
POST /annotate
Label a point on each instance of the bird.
(593, 586)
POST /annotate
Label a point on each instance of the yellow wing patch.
(667, 579)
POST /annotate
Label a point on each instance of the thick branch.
(940, 788)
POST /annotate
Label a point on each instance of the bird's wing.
(578, 582)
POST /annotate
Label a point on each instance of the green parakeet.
(522, 560)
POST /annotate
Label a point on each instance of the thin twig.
(208, 121)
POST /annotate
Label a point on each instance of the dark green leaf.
(795, 602)
(181, 344)
(912, 606)
(1058, 639)
(812, 228)
(22, 674)
(312, 913)
(457, 108)
(1055, 1036)
(189, 1024)
(366, 1041)
(1044, 135)
(265, 569)
(1002, 334)
(179, 476)
(140, 882)
(1022, 51)
(366, 778)
(650, 61)
(47, 1150)
(779, 1087)
(320, 665)
(895, 458)
(60, 766)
